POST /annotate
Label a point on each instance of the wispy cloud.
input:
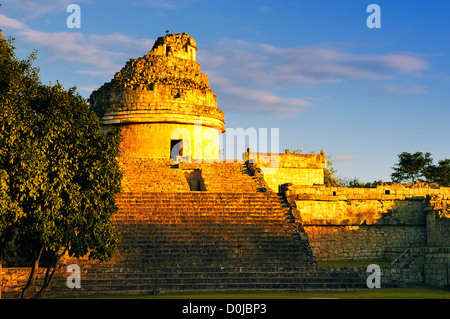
(393, 89)
(289, 67)
(98, 51)
(12, 23)
(31, 9)
(96, 55)
(169, 4)
(344, 158)
(247, 99)
(87, 89)
(249, 73)
(100, 73)
(247, 76)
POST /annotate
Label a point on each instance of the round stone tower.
(163, 104)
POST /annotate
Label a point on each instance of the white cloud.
(247, 74)
(101, 73)
(73, 47)
(98, 51)
(11, 23)
(33, 8)
(393, 89)
(289, 67)
(247, 99)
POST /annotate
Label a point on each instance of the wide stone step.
(141, 281)
(206, 228)
(147, 280)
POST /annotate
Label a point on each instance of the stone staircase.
(232, 177)
(228, 177)
(150, 175)
(192, 229)
(134, 281)
(147, 175)
(165, 280)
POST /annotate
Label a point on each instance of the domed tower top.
(163, 88)
(180, 45)
(166, 80)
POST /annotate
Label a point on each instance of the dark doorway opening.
(176, 149)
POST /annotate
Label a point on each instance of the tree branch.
(49, 274)
(33, 274)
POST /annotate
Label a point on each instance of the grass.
(410, 292)
(421, 291)
(354, 263)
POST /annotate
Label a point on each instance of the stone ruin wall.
(371, 223)
(156, 98)
(278, 169)
(438, 221)
(152, 140)
(356, 223)
(160, 80)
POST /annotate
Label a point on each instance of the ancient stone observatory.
(163, 103)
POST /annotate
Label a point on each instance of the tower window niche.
(176, 149)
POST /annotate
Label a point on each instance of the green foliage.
(355, 183)
(438, 174)
(18, 82)
(329, 173)
(79, 178)
(409, 168)
(418, 167)
(58, 169)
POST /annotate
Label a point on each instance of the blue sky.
(313, 69)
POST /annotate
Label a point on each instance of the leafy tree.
(438, 174)
(410, 167)
(329, 177)
(18, 82)
(58, 172)
(355, 183)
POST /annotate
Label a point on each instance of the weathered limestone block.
(298, 169)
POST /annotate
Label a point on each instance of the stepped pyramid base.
(194, 229)
(150, 281)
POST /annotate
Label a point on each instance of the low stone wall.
(436, 266)
(14, 279)
(381, 192)
(364, 223)
(438, 222)
(361, 242)
(429, 265)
